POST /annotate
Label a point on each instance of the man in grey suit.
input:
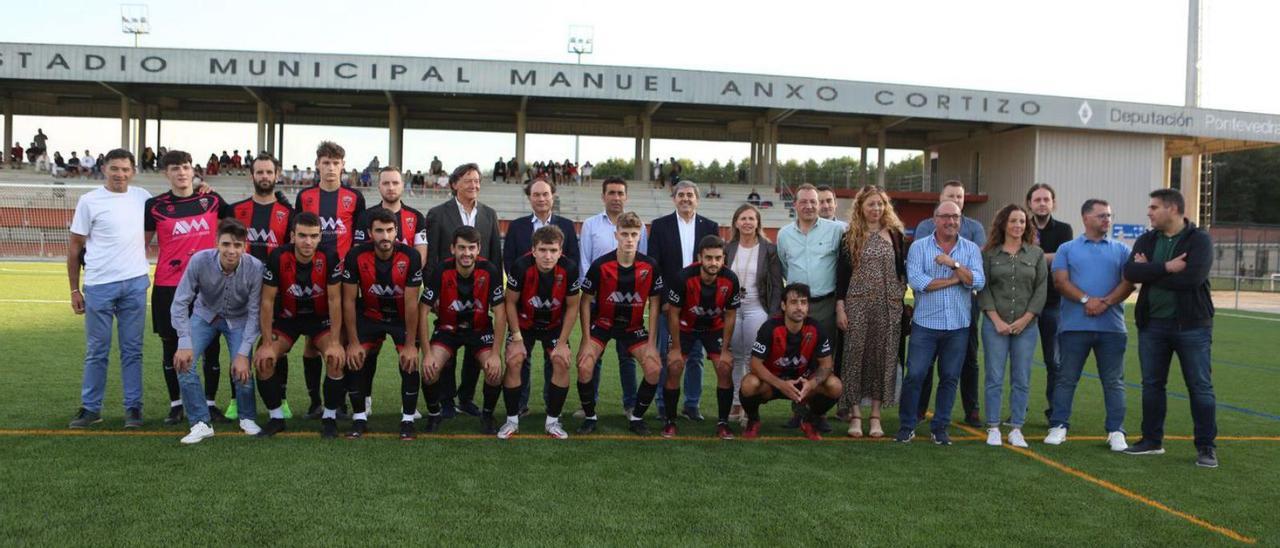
(464, 208)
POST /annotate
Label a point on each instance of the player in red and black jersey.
(380, 286)
(301, 295)
(542, 306)
(338, 206)
(702, 306)
(267, 214)
(465, 293)
(183, 221)
(618, 287)
(790, 359)
(411, 226)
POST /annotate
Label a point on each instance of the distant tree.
(1247, 186)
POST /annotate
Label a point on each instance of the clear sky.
(1132, 50)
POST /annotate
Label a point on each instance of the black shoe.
(972, 420)
(433, 423)
(407, 431)
(85, 418)
(1206, 457)
(904, 435)
(358, 428)
(273, 427)
(940, 437)
(216, 414)
(793, 422)
(315, 411)
(1144, 447)
(328, 428)
(469, 407)
(822, 425)
(588, 426)
(448, 411)
(132, 418)
(175, 415)
(639, 428)
(487, 426)
(693, 414)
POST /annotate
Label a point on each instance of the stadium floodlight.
(581, 41)
(135, 20)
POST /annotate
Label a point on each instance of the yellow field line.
(1198, 521)
(532, 435)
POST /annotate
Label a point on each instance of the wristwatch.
(1084, 299)
(955, 265)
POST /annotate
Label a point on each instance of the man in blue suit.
(672, 242)
(519, 241)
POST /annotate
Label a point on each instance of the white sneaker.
(199, 431)
(1057, 435)
(1116, 441)
(993, 437)
(1016, 439)
(508, 429)
(251, 428)
(556, 431)
(417, 415)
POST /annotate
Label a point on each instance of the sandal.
(855, 427)
(876, 430)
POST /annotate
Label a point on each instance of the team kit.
(341, 278)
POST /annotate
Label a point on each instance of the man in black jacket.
(1174, 314)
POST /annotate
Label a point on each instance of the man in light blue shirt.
(598, 238)
(972, 230)
(809, 249)
(1088, 272)
(944, 270)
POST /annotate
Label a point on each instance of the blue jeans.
(125, 303)
(1017, 351)
(626, 376)
(202, 335)
(692, 369)
(1108, 351)
(1156, 346)
(1048, 321)
(926, 345)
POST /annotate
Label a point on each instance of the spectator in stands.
(148, 159)
(15, 155)
(437, 167)
(42, 162)
(308, 176)
(712, 192)
(586, 172)
(236, 160)
(754, 197)
(73, 165)
(675, 171)
(500, 171)
(41, 140)
(88, 165)
(59, 165)
(513, 170)
(374, 165)
(657, 173)
(34, 152)
(224, 161)
(211, 168)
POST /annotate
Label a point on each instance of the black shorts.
(161, 320)
(547, 338)
(626, 339)
(372, 333)
(712, 343)
(292, 329)
(474, 341)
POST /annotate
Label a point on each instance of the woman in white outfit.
(754, 259)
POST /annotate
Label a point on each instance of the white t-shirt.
(113, 224)
(744, 267)
(88, 161)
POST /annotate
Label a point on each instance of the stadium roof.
(485, 95)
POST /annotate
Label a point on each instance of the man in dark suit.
(672, 242)
(519, 241)
(464, 208)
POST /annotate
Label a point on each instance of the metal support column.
(880, 142)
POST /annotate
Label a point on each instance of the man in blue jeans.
(1087, 273)
(226, 285)
(1174, 314)
(1050, 234)
(108, 228)
(943, 270)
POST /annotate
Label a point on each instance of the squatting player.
(381, 280)
(463, 293)
(617, 288)
(338, 207)
(702, 306)
(542, 307)
(790, 359)
(301, 295)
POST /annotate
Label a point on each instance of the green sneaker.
(284, 407)
(232, 412)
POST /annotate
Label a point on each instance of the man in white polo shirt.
(108, 226)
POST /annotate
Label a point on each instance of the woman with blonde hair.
(870, 283)
(754, 259)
